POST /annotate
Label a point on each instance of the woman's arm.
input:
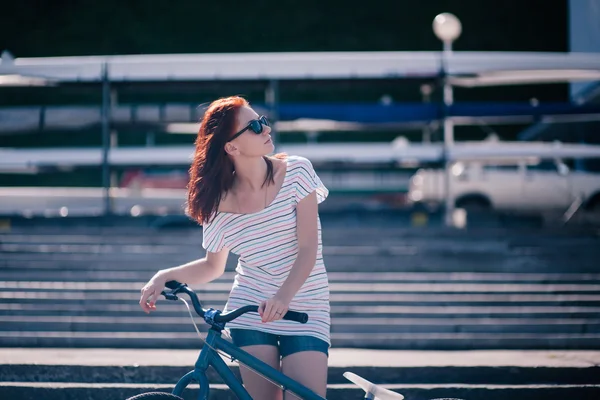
(196, 272)
(199, 271)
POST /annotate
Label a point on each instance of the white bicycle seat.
(372, 389)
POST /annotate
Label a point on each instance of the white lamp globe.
(447, 27)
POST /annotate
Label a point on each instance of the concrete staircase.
(390, 288)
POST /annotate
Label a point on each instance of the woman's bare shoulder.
(280, 162)
(226, 203)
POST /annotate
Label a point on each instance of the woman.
(263, 209)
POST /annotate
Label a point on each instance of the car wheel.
(474, 205)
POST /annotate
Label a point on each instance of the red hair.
(211, 171)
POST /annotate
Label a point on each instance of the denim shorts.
(287, 344)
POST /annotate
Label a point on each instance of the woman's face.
(249, 143)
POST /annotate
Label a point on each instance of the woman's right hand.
(151, 291)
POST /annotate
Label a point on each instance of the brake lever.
(169, 295)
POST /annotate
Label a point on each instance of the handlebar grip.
(296, 316)
(172, 285)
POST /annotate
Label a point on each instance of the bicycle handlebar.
(177, 287)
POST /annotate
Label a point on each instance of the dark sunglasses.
(256, 126)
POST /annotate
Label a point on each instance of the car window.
(504, 167)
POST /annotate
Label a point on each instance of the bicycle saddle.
(372, 389)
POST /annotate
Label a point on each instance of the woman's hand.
(151, 292)
(273, 309)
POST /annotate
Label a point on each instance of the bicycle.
(215, 345)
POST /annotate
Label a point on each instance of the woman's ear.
(231, 149)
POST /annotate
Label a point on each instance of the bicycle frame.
(209, 357)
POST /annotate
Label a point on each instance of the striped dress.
(267, 246)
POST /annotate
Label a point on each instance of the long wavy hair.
(212, 171)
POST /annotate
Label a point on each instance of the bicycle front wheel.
(155, 396)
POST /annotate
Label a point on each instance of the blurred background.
(109, 96)
(458, 139)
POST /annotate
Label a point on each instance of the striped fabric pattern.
(267, 246)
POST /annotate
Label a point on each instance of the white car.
(517, 185)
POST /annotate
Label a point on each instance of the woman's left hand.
(273, 309)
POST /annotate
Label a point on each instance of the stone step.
(330, 248)
(340, 304)
(16, 296)
(339, 325)
(447, 374)
(369, 225)
(360, 312)
(77, 288)
(142, 249)
(420, 340)
(520, 235)
(50, 263)
(119, 274)
(19, 272)
(359, 315)
(337, 263)
(341, 264)
(93, 391)
(514, 239)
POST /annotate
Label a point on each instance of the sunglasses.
(256, 126)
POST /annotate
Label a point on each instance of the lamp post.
(426, 90)
(447, 28)
(106, 200)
